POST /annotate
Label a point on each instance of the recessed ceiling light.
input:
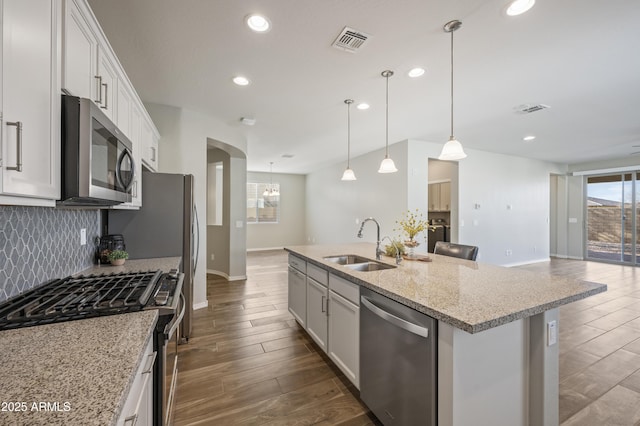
(362, 105)
(258, 23)
(241, 81)
(416, 72)
(529, 138)
(518, 7)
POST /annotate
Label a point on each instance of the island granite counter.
(497, 356)
(72, 373)
(468, 295)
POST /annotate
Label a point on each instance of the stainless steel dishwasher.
(398, 361)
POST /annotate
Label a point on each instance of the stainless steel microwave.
(97, 162)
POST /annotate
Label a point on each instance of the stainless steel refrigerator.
(165, 226)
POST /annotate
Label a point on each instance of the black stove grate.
(79, 297)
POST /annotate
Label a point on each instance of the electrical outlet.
(83, 236)
(552, 333)
(213, 256)
(508, 252)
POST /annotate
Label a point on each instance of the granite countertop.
(468, 295)
(83, 369)
(135, 265)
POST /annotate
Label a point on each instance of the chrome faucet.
(378, 251)
(394, 245)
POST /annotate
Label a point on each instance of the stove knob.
(173, 273)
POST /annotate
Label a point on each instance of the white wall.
(333, 205)
(491, 180)
(290, 229)
(183, 149)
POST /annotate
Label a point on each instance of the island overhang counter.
(496, 364)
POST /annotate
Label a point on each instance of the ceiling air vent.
(529, 108)
(350, 40)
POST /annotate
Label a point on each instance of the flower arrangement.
(412, 224)
(395, 247)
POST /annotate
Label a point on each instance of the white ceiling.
(580, 57)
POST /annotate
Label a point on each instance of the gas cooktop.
(87, 296)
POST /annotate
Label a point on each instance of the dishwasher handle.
(398, 322)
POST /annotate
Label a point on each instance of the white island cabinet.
(30, 94)
(497, 363)
(298, 289)
(317, 305)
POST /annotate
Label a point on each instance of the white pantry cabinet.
(30, 93)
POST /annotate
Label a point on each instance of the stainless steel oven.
(97, 161)
(170, 368)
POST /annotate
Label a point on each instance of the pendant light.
(452, 150)
(270, 190)
(387, 165)
(348, 173)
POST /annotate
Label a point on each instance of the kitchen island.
(496, 364)
(72, 373)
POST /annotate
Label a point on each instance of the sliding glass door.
(612, 218)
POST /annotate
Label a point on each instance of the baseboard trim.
(200, 305)
(265, 249)
(227, 276)
(527, 262)
(214, 272)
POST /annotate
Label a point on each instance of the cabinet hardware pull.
(131, 420)
(106, 96)
(151, 356)
(99, 80)
(18, 125)
(322, 304)
(153, 153)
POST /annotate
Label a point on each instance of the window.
(263, 202)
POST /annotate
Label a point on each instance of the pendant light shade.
(452, 150)
(271, 191)
(348, 173)
(387, 165)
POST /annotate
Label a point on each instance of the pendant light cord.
(349, 135)
(451, 85)
(386, 151)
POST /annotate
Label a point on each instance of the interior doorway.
(442, 209)
(612, 231)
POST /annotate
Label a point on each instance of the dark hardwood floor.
(250, 363)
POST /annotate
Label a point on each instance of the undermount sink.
(346, 259)
(369, 266)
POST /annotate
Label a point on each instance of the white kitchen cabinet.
(123, 110)
(344, 336)
(107, 84)
(30, 93)
(298, 295)
(317, 302)
(149, 146)
(344, 327)
(440, 197)
(79, 53)
(138, 407)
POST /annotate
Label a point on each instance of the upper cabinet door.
(79, 54)
(108, 84)
(31, 98)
